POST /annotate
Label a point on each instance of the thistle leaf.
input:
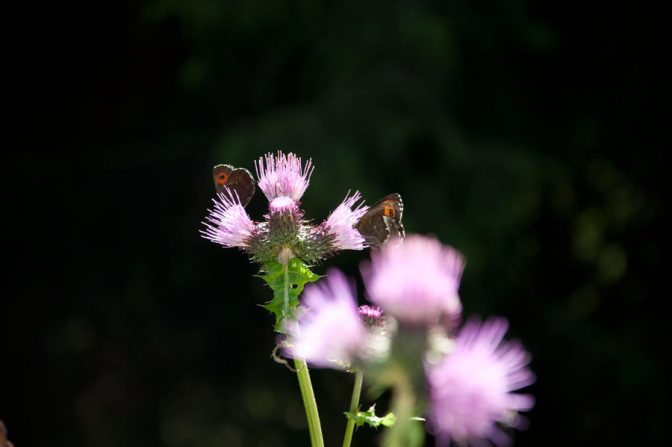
(298, 275)
(369, 417)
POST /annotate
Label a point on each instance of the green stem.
(354, 406)
(309, 403)
(307, 394)
(402, 433)
(285, 290)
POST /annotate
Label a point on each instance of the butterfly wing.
(4, 442)
(239, 180)
(382, 221)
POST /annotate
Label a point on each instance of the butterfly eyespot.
(389, 211)
(222, 178)
(295, 286)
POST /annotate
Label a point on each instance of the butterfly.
(239, 180)
(382, 221)
(4, 442)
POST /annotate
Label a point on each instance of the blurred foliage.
(528, 135)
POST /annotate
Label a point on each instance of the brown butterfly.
(4, 442)
(382, 221)
(239, 180)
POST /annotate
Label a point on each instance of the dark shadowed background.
(532, 136)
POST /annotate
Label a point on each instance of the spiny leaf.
(369, 417)
(298, 276)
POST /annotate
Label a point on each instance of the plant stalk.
(403, 433)
(307, 394)
(354, 407)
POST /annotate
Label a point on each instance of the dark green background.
(532, 136)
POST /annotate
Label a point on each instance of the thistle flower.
(332, 333)
(472, 388)
(283, 175)
(416, 281)
(228, 224)
(372, 315)
(341, 223)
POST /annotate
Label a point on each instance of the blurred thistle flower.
(284, 233)
(283, 175)
(228, 224)
(332, 333)
(471, 389)
(415, 281)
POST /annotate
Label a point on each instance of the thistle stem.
(285, 289)
(354, 406)
(402, 433)
(309, 403)
(307, 394)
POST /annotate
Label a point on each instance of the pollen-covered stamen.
(283, 175)
(228, 224)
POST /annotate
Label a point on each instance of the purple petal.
(228, 224)
(283, 175)
(341, 223)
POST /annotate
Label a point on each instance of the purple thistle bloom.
(415, 281)
(331, 332)
(228, 224)
(341, 223)
(373, 315)
(283, 175)
(472, 388)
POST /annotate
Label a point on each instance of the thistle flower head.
(415, 281)
(372, 315)
(341, 223)
(283, 175)
(331, 332)
(284, 221)
(228, 224)
(471, 389)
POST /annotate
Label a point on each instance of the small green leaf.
(298, 275)
(369, 417)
